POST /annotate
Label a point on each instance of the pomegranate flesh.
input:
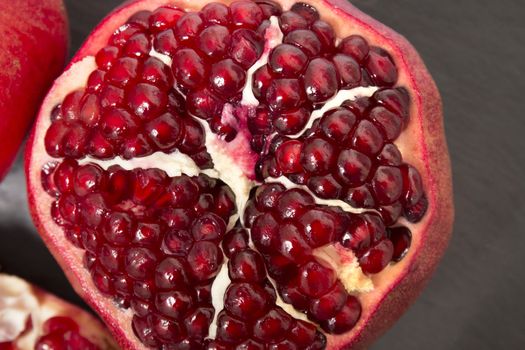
(243, 175)
(32, 54)
(34, 319)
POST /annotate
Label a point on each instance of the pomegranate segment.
(141, 171)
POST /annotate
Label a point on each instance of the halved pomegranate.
(243, 175)
(31, 318)
(32, 53)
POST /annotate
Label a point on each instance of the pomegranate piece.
(40, 320)
(238, 176)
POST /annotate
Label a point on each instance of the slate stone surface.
(475, 50)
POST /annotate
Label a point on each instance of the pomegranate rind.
(423, 145)
(49, 305)
(32, 54)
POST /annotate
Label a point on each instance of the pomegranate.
(31, 318)
(243, 175)
(32, 54)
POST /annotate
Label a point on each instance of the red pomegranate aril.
(355, 46)
(287, 61)
(284, 94)
(325, 187)
(288, 156)
(293, 203)
(325, 33)
(170, 273)
(174, 304)
(345, 319)
(177, 243)
(144, 289)
(246, 301)
(188, 27)
(216, 13)
(390, 123)
(348, 71)
(377, 257)
(390, 155)
(140, 263)
(416, 212)
(246, 266)
(204, 260)
(320, 80)
(337, 124)
(359, 197)
(204, 104)
(198, 322)
(166, 329)
(137, 46)
(96, 81)
(353, 167)
(246, 47)
(164, 17)
(165, 131)
(264, 232)
(304, 39)
(117, 124)
(401, 238)
(273, 326)
(87, 179)
(412, 185)
(111, 258)
(290, 21)
(123, 71)
(143, 331)
(381, 68)
(291, 243)
(315, 279)
(318, 156)
(246, 14)
(157, 73)
(189, 68)
(318, 227)
(106, 56)
(387, 184)
(227, 78)
(89, 113)
(214, 41)
(367, 138)
(262, 79)
(305, 334)
(59, 324)
(266, 195)
(166, 43)
(235, 241)
(269, 7)
(328, 305)
(291, 294)
(208, 227)
(230, 329)
(291, 122)
(92, 209)
(396, 100)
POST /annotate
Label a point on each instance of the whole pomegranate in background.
(31, 318)
(243, 175)
(32, 53)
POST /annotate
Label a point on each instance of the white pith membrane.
(20, 302)
(371, 289)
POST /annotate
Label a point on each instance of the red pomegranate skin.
(425, 149)
(32, 53)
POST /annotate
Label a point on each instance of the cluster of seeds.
(61, 332)
(287, 226)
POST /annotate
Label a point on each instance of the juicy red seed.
(291, 294)
(189, 68)
(273, 326)
(390, 123)
(136, 146)
(246, 14)
(318, 227)
(262, 79)
(291, 243)
(204, 104)
(204, 260)
(164, 17)
(337, 124)
(230, 329)
(266, 195)
(106, 56)
(118, 228)
(395, 100)
(381, 67)
(412, 185)
(246, 47)
(359, 197)
(216, 13)
(87, 179)
(140, 262)
(235, 241)
(137, 46)
(188, 26)
(377, 257)
(306, 11)
(290, 21)
(288, 156)
(387, 184)
(117, 124)
(306, 40)
(174, 303)
(170, 273)
(293, 203)
(123, 71)
(345, 319)
(198, 322)
(304, 334)
(89, 113)
(328, 305)
(264, 232)
(214, 41)
(353, 167)
(291, 122)
(246, 301)
(367, 138)
(59, 324)
(318, 156)
(111, 258)
(287, 60)
(143, 331)
(165, 131)
(355, 46)
(177, 243)
(325, 33)
(315, 279)
(390, 155)
(50, 341)
(165, 42)
(348, 70)
(416, 212)
(401, 238)
(320, 80)
(284, 94)
(269, 8)
(325, 187)
(246, 266)
(227, 78)
(208, 227)
(111, 96)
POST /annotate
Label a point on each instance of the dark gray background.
(475, 50)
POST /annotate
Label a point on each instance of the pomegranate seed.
(264, 232)
(306, 11)
(291, 122)
(174, 303)
(367, 138)
(214, 41)
(345, 319)
(246, 47)
(189, 68)
(318, 227)
(318, 156)
(273, 326)
(401, 238)
(355, 46)
(230, 329)
(412, 185)
(234, 242)
(166, 43)
(246, 266)
(290, 21)
(387, 184)
(284, 94)
(198, 322)
(320, 80)
(381, 67)
(188, 26)
(227, 78)
(287, 61)
(353, 167)
(204, 260)
(246, 301)
(315, 279)
(177, 243)
(164, 17)
(306, 40)
(246, 14)
(216, 13)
